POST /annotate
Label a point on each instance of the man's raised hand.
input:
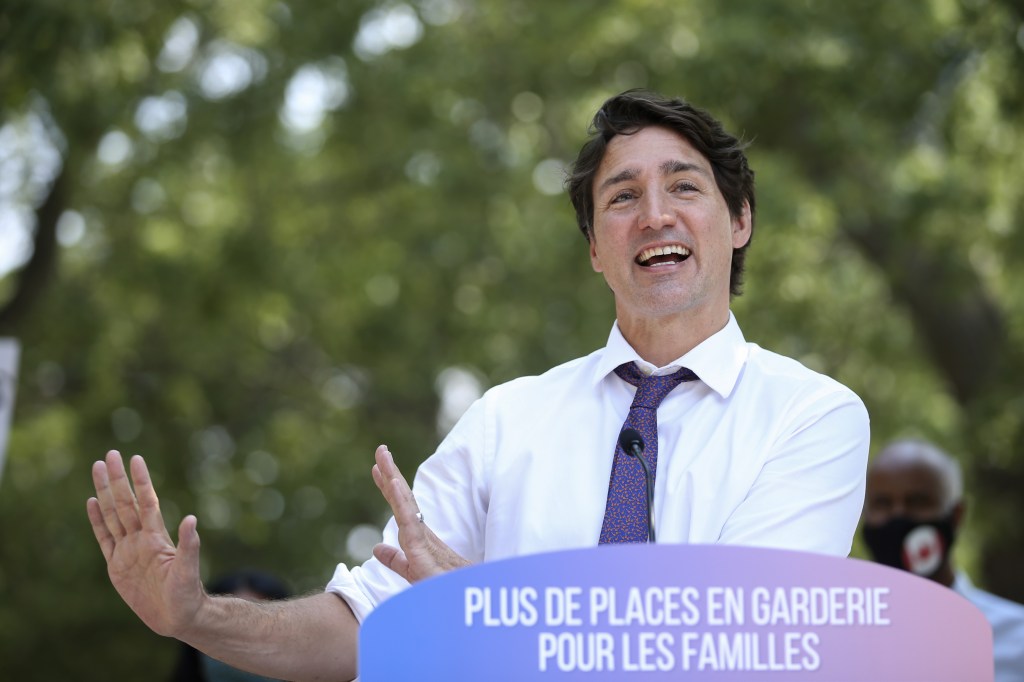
(160, 582)
(420, 554)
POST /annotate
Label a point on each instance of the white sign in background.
(8, 383)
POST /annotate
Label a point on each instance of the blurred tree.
(268, 236)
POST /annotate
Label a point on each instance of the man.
(754, 448)
(912, 515)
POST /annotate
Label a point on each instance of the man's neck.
(659, 341)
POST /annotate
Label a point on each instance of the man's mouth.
(662, 255)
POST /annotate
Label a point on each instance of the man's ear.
(741, 227)
(595, 260)
(959, 510)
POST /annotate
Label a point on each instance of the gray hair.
(941, 462)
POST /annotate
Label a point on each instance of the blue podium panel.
(668, 612)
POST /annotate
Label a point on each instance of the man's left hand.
(420, 554)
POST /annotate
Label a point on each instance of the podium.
(670, 612)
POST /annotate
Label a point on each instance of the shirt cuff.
(344, 584)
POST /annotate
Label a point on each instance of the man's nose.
(657, 213)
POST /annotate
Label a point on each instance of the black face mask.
(920, 547)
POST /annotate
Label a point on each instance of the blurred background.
(251, 240)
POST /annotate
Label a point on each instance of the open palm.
(160, 582)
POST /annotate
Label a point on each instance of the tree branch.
(960, 326)
(36, 274)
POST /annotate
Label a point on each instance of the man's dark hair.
(633, 110)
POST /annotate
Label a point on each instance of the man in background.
(912, 515)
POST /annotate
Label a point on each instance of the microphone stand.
(633, 444)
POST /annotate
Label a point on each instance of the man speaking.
(742, 446)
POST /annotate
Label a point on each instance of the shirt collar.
(961, 583)
(718, 360)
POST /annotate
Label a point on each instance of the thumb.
(188, 540)
(393, 558)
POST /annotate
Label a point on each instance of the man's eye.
(879, 504)
(686, 187)
(622, 196)
(921, 504)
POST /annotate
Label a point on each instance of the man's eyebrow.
(667, 168)
(622, 176)
(672, 167)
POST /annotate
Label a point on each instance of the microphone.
(632, 444)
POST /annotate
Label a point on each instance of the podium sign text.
(661, 612)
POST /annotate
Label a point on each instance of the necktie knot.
(651, 389)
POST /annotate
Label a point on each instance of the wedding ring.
(419, 516)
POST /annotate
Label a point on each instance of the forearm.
(311, 638)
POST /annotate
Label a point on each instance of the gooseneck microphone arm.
(633, 444)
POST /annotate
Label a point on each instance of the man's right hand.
(160, 582)
(309, 638)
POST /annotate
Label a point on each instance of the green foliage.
(255, 307)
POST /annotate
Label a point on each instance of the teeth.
(648, 254)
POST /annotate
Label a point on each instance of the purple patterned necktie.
(625, 516)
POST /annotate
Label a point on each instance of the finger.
(125, 503)
(404, 507)
(188, 544)
(396, 491)
(383, 468)
(393, 558)
(380, 466)
(99, 528)
(148, 502)
(412, 536)
(391, 482)
(386, 463)
(105, 498)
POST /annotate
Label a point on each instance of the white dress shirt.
(761, 451)
(1007, 621)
